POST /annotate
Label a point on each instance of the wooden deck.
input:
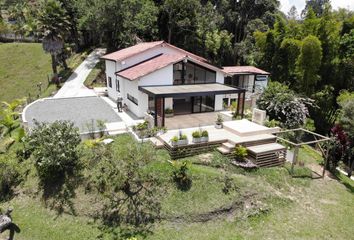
(267, 155)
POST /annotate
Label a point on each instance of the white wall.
(163, 76)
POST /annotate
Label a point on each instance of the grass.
(269, 204)
(95, 78)
(24, 65)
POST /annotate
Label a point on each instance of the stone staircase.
(226, 148)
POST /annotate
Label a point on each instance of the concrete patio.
(225, 134)
(193, 120)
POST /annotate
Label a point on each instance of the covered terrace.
(159, 93)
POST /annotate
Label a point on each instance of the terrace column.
(159, 112)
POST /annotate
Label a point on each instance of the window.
(109, 82)
(191, 73)
(117, 85)
(132, 99)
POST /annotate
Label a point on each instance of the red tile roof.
(149, 66)
(244, 69)
(141, 47)
(131, 51)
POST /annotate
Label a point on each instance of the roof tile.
(150, 66)
(244, 69)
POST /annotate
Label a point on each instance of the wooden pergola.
(309, 138)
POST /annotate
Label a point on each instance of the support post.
(296, 152)
(155, 117)
(243, 103)
(238, 105)
(163, 112)
(325, 162)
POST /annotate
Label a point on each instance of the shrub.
(130, 192)
(240, 153)
(272, 123)
(9, 178)
(229, 185)
(183, 137)
(205, 133)
(142, 126)
(196, 134)
(181, 175)
(219, 119)
(283, 105)
(168, 111)
(101, 125)
(174, 139)
(54, 148)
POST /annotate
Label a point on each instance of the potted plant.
(179, 140)
(168, 112)
(174, 141)
(183, 140)
(204, 136)
(219, 121)
(196, 136)
(240, 153)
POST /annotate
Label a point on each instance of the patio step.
(157, 142)
(116, 132)
(228, 145)
(224, 150)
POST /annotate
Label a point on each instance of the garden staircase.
(226, 148)
(262, 152)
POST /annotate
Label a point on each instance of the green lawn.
(268, 204)
(96, 78)
(23, 66)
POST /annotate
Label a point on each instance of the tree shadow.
(58, 194)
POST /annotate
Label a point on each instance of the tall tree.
(308, 64)
(181, 18)
(119, 22)
(292, 14)
(317, 6)
(53, 25)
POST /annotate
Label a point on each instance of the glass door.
(196, 104)
(203, 104)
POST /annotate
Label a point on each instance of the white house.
(155, 76)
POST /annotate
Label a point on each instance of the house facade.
(154, 76)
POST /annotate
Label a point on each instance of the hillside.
(262, 204)
(23, 66)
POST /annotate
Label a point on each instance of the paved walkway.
(126, 118)
(74, 86)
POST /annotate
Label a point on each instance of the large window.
(110, 82)
(132, 99)
(241, 81)
(117, 85)
(191, 73)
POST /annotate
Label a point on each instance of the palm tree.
(53, 24)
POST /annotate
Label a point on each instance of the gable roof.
(130, 51)
(151, 65)
(244, 70)
(144, 46)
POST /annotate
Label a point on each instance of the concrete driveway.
(74, 86)
(80, 110)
